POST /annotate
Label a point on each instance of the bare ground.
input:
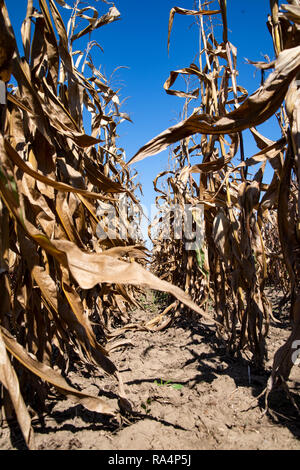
(188, 394)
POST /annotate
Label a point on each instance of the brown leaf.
(50, 375)
(14, 156)
(184, 11)
(109, 17)
(7, 44)
(10, 381)
(90, 269)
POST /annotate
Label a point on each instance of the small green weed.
(168, 383)
(146, 405)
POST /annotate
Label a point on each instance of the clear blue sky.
(139, 42)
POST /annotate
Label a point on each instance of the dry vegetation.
(63, 289)
(251, 228)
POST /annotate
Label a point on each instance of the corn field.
(66, 293)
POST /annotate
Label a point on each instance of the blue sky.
(139, 42)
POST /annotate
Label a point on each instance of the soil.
(187, 391)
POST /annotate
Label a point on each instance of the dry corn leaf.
(90, 269)
(48, 374)
(9, 379)
(184, 11)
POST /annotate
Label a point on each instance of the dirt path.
(208, 403)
